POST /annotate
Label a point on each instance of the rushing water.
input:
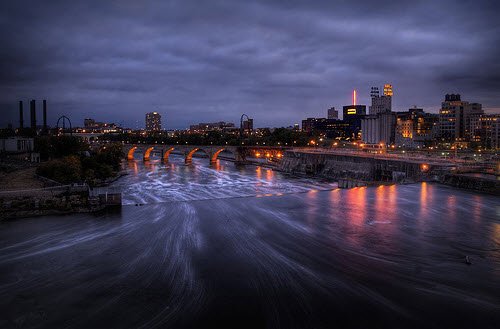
(226, 247)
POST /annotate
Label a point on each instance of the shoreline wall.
(367, 169)
(473, 183)
(60, 200)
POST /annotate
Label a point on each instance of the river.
(229, 247)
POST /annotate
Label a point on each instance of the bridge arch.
(130, 154)
(189, 155)
(147, 153)
(213, 158)
(167, 154)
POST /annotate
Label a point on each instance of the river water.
(225, 247)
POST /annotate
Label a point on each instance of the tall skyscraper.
(153, 121)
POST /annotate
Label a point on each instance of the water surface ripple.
(246, 247)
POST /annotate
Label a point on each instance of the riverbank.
(23, 193)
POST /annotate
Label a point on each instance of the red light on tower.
(354, 97)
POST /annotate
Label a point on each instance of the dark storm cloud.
(277, 61)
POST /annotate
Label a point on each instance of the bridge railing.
(431, 158)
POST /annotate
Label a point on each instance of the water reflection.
(424, 199)
(269, 175)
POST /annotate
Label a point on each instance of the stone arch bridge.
(212, 151)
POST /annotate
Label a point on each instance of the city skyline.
(195, 63)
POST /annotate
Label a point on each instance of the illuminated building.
(331, 128)
(153, 121)
(352, 115)
(382, 103)
(415, 128)
(455, 117)
(213, 126)
(379, 126)
(92, 126)
(486, 132)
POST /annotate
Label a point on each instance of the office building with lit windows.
(381, 103)
(153, 121)
(380, 125)
(456, 117)
(415, 128)
(352, 115)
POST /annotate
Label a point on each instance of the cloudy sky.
(276, 61)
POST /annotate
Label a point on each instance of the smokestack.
(33, 114)
(44, 115)
(21, 118)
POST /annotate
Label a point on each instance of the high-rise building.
(153, 121)
(455, 118)
(333, 113)
(380, 125)
(382, 103)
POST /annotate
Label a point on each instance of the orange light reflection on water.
(259, 173)
(133, 166)
(356, 200)
(269, 175)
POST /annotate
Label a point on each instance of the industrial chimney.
(21, 119)
(44, 116)
(33, 114)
